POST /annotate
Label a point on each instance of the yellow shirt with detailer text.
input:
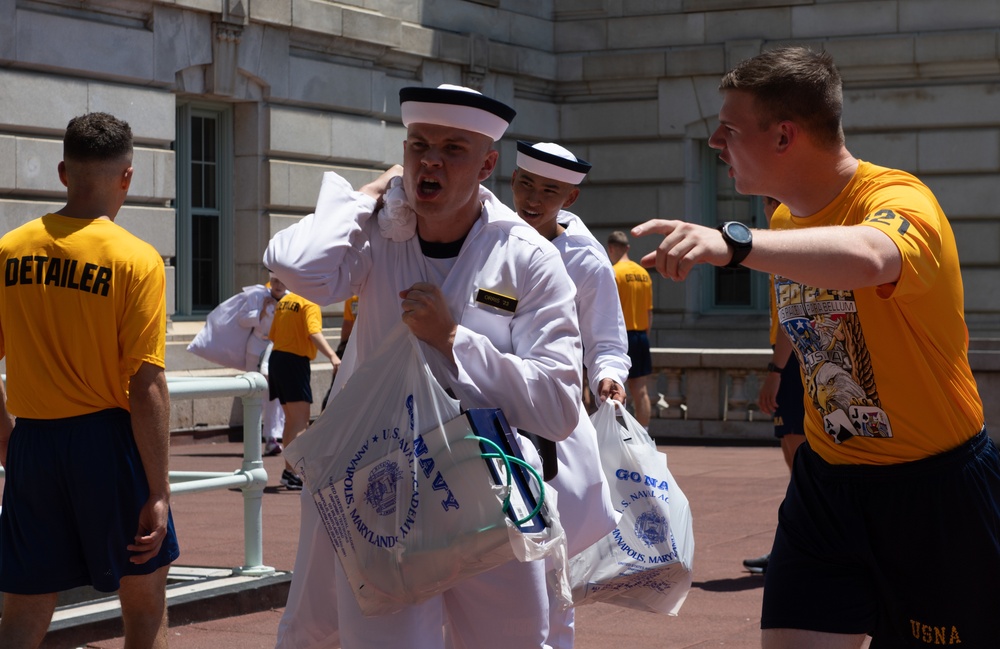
(886, 368)
(635, 289)
(82, 306)
(295, 319)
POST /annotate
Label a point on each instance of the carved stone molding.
(225, 55)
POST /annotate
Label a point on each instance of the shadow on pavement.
(749, 582)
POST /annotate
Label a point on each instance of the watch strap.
(740, 251)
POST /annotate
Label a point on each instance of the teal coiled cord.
(507, 460)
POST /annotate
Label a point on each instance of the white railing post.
(251, 478)
(253, 492)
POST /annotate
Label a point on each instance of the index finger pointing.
(653, 226)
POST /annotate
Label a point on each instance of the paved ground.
(734, 494)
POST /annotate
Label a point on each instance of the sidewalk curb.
(249, 595)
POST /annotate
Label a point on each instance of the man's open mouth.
(428, 187)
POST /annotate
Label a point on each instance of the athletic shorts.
(638, 352)
(288, 380)
(791, 411)
(71, 501)
(907, 553)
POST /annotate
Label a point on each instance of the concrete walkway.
(734, 494)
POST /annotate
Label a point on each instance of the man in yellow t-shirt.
(83, 328)
(296, 333)
(897, 466)
(635, 290)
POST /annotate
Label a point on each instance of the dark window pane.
(204, 265)
(197, 185)
(732, 287)
(210, 141)
(211, 196)
(197, 139)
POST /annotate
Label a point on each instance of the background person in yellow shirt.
(635, 290)
(350, 317)
(296, 333)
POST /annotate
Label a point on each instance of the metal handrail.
(251, 478)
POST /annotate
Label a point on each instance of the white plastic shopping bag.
(412, 499)
(223, 340)
(646, 562)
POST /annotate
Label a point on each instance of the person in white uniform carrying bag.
(493, 306)
(545, 183)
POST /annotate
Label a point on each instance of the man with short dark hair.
(83, 326)
(897, 469)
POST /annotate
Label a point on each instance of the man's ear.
(62, 173)
(127, 178)
(489, 164)
(573, 195)
(788, 133)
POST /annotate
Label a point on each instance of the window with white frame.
(204, 207)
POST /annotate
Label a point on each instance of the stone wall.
(629, 85)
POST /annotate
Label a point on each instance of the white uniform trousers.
(310, 617)
(562, 625)
(272, 417)
(499, 609)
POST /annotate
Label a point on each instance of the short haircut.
(796, 84)
(618, 238)
(97, 137)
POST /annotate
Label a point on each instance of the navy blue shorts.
(908, 553)
(288, 378)
(638, 353)
(791, 411)
(71, 501)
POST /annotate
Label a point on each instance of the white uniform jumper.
(527, 361)
(605, 355)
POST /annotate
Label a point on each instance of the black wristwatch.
(771, 367)
(738, 237)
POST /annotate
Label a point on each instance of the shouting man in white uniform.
(433, 255)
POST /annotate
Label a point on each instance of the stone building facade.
(238, 106)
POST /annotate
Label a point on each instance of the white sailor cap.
(457, 107)
(550, 160)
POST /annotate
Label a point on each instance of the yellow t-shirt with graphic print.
(886, 368)
(635, 290)
(82, 306)
(295, 319)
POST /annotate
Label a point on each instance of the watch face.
(738, 232)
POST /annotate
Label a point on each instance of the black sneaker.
(757, 566)
(291, 481)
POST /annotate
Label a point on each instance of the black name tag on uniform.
(496, 300)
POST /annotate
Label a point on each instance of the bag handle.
(632, 425)
(432, 381)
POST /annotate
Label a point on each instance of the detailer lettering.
(58, 272)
